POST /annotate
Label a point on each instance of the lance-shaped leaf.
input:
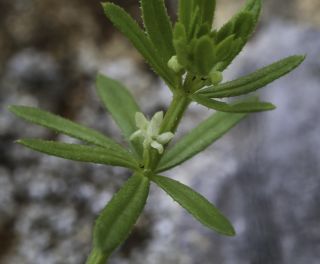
(158, 26)
(243, 25)
(64, 126)
(204, 56)
(207, 9)
(224, 48)
(197, 205)
(199, 139)
(254, 6)
(254, 81)
(116, 220)
(204, 29)
(225, 31)
(122, 106)
(180, 43)
(97, 257)
(246, 18)
(140, 40)
(185, 13)
(237, 46)
(201, 17)
(239, 107)
(80, 152)
(195, 25)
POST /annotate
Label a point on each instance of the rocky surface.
(264, 175)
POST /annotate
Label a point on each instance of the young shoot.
(190, 57)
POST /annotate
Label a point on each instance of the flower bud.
(215, 77)
(174, 65)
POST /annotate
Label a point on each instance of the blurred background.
(264, 175)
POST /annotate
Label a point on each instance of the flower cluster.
(150, 131)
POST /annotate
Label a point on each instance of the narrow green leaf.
(182, 52)
(80, 152)
(202, 15)
(246, 29)
(197, 205)
(195, 23)
(122, 106)
(254, 6)
(181, 44)
(199, 139)
(185, 13)
(224, 48)
(204, 29)
(192, 67)
(225, 31)
(64, 126)
(241, 107)
(140, 40)
(213, 35)
(235, 49)
(204, 56)
(179, 31)
(207, 9)
(255, 80)
(97, 257)
(158, 26)
(116, 220)
(244, 25)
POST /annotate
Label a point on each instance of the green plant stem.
(147, 159)
(172, 118)
(97, 257)
(175, 112)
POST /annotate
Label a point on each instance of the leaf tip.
(271, 107)
(302, 57)
(298, 59)
(105, 4)
(228, 229)
(100, 78)
(232, 232)
(12, 108)
(19, 141)
(23, 141)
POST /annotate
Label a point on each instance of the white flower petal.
(164, 138)
(136, 134)
(141, 121)
(155, 124)
(157, 146)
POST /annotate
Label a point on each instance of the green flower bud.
(174, 65)
(215, 77)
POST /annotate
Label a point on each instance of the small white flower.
(149, 130)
